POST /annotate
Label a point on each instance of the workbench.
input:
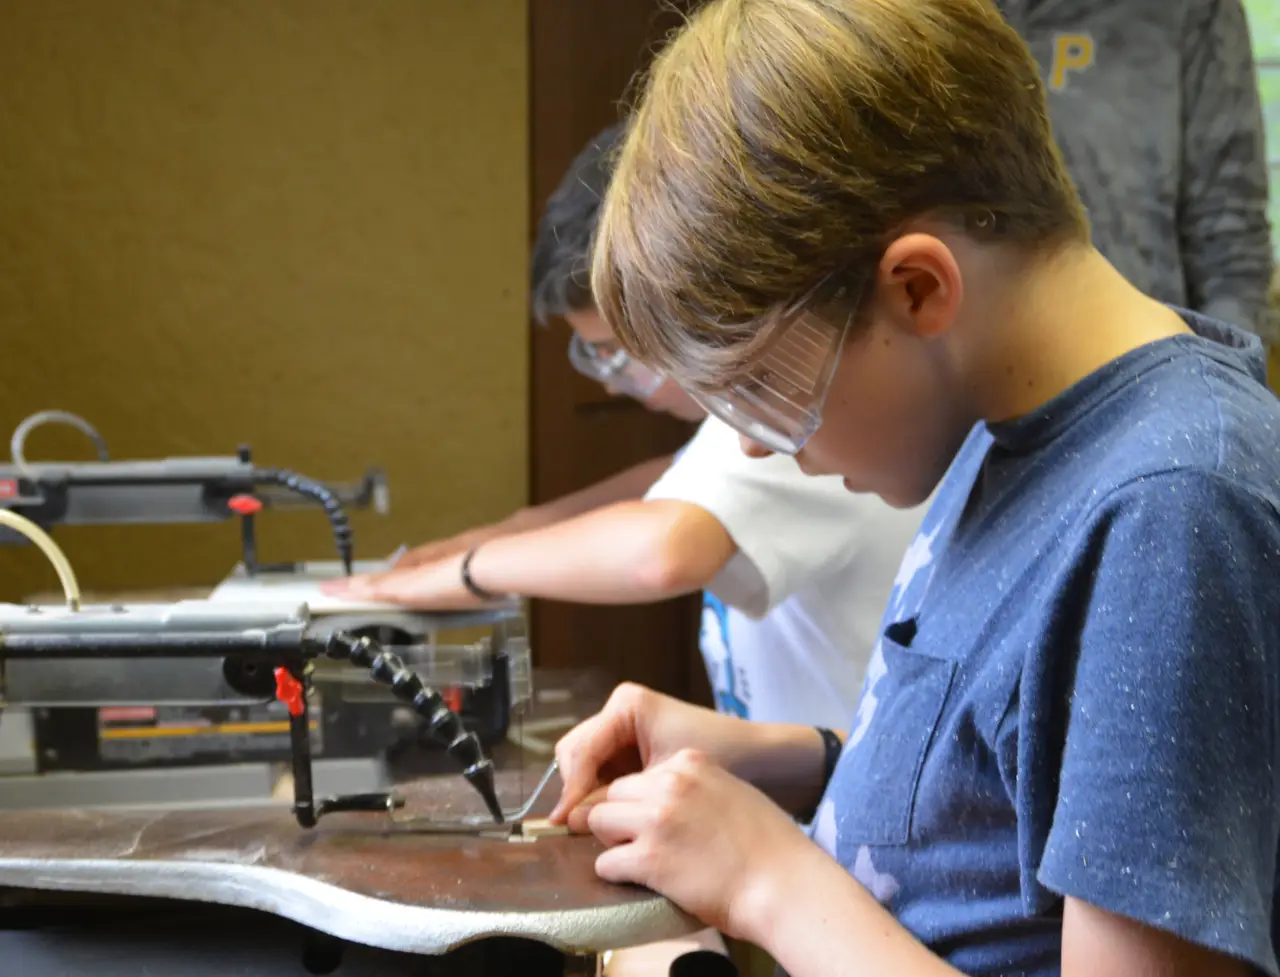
(358, 894)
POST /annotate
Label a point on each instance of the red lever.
(289, 691)
(452, 698)
(244, 505)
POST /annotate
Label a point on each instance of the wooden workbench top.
(359, 877)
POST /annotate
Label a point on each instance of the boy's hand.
(637, 729)
(440, 549)
(709, 842)
(434, 586)
(522, 520)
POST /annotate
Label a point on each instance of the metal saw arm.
(160, 491)
(168, 490)
(179, 490)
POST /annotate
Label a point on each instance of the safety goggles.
(611, 366)
(778, 404)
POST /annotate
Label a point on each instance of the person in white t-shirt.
(796, 570)
(789, 620)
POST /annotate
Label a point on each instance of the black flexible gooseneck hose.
(328, 499)
(443, 724)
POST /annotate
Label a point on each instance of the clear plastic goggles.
(779, 403)
(614, 368)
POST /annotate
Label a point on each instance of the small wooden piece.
(534, 828)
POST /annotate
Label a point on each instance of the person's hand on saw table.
(628, 485)
(624, 553)
(698, 806)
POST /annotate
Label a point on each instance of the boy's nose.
(753, 449)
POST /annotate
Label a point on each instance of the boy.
(796, 570)
(845, 226)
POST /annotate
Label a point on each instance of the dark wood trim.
(582, 57)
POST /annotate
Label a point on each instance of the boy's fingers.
(622, 864)
(345, 585)
(617, 822)
(372, 586)
(590, 753)
(580, 754)
(577, 818)
(420, 556)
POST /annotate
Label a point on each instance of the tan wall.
(296, 223)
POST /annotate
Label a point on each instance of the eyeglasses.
(612, 366)
(779, 404)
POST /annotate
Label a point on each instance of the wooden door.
(583, 55)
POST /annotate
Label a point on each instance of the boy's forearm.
(629, 553)
(626, 486)
(818, 921)
(786, 764)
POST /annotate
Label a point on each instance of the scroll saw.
(121, 704)
(197, 702)
(264, 651)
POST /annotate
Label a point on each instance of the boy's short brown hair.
(781, 142)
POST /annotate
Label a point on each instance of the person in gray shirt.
(1155, 107)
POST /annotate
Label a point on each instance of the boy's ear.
(920, 285)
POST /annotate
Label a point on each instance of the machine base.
(178, 788)
(140, 937)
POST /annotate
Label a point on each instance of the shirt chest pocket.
(874, 787)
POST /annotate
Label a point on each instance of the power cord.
(54, 553)
(18, 443)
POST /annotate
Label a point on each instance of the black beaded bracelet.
(832, 746)
(476, 591)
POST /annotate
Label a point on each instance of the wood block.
(535, 828)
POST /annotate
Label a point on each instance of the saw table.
(373, 893)
(373, 883)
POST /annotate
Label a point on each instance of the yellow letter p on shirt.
(1071, 52)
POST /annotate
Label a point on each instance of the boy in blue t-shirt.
(845, 228)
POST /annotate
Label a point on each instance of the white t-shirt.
(789, 623)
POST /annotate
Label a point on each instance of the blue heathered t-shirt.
(1077, 692)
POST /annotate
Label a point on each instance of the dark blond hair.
(780, 142)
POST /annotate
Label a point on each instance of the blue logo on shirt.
(715, 631)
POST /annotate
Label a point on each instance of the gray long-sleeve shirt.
(1155, 105)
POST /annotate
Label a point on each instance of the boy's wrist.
(786, 883)
(832, 746)
(469, 583)
(786, 763)
(524, 518)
